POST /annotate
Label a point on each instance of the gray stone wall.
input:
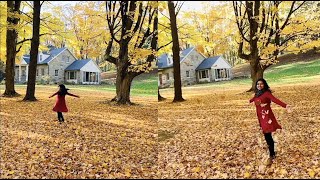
(60, 63)
(192, 61)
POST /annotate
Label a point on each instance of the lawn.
(140, 87)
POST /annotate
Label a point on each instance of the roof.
(162, 60)
(208, 62)
(26, 58)
(53, 53)
(186, 51)
(77, 65)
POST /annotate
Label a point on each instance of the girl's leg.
(270, 143)
(60, 118)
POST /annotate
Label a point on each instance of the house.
(194, 68)
(59, 65)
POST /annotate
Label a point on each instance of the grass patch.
(289, 73)
(140, 87)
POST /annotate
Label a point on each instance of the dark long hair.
(265, 87)
(63, 90)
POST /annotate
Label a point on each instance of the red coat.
(265, 113)
(60, 104)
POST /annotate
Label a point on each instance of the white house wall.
(90, 67)
(221, 64)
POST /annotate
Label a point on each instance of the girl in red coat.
(267, 120)
(61, 102)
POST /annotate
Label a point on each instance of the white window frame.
(74, 73)
(206, 74)
(188, 74)
(56, 72)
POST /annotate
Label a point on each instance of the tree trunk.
(123, 96)
(118, 84)
(256, 73)
(33, 53)
(176, 51)
(11, 40)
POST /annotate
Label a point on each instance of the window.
(40, 57)
(90, 77)
(204, 74)
(37, 72)
(188, 73)
(68, 59)
(42, 72)
(221, 73)
(168, 76)
(23, 72)
(71, 75)
(56, 72)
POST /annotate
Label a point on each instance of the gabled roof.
(162, 60)
(53, 53)
(77, 65)
(208, 62)
(26, 58)
(186, 51)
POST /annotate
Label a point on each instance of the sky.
(187, 6)
(196, 5)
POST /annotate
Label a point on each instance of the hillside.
(112, 74)
(243, 70)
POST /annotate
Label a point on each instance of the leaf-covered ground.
(215, 134)
(98, 139)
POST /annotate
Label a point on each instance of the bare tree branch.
(164, 45)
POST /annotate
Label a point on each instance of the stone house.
(59, 65)
(194, 68)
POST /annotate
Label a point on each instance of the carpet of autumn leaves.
(98, 139)
(215, 134)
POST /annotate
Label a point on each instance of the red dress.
(266, 118)
(60, 104)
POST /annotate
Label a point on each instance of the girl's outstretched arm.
(252, 99)
(73, 95)
(53, 95)
(275, 100)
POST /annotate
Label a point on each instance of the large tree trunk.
(256, 73)
(124, 90)
(176, 57)
(33, 53)
(122, 62)
(11, 40)
(118, 83)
